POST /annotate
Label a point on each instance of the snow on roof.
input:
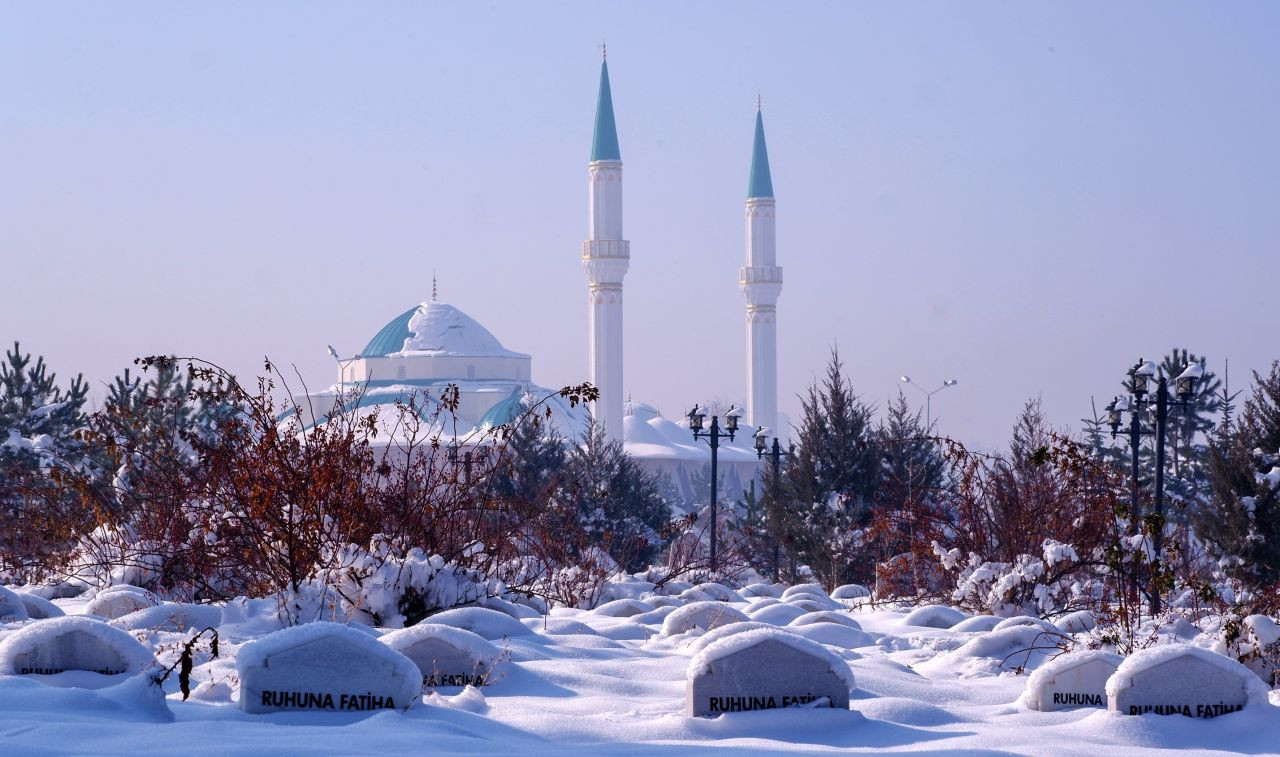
(1151, 657)
(439, 329)
(731, 645)
(44, 634)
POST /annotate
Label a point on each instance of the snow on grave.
(324, 666)
(779, 614)
(763, 669)
(1072, 680)
(117, 601)
(933, 616)
(703, 615)
(719, 592)
(850, 591)
(446, 656)
(12, 609)
(1026, 620)
(814, 604)
(724, 632)
(39, 608)
(1180, 679)
(1077, 622)
(623, 608)
(58, 645)
(761, 590)
(814, 590)
(826, 616)
(977, 624)
(171, 616)
(488, 624)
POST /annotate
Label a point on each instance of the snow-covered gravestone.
(701, 615)
(446, 656)
(1070, 681)
(11, 607)
(1183, 680)
(59, 645)
(764, 669)
(324, 666)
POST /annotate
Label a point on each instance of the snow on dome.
(439, 329)
(72, 643)
(731, 645)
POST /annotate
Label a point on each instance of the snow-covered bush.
(1042, 586)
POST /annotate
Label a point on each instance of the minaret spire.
(761, 281)
(605, 257)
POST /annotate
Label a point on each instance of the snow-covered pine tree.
(913, 471)
(618, 503)
(832, 478)
(1242, 520)
(39, 422)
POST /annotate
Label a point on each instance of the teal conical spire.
(761, 184)
(605, 144)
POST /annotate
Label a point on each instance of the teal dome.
(391, 338)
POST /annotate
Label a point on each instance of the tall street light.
(775, 455)
(713, 436)
(928, 397)
(1140, 376)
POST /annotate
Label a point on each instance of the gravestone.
(324, 666)
(765, 669)
(446, 656)
(1071, 681)
(1182, 680)
(58, 645)
(701, 615)
(850, 591)
(118, 601)
(12, 609)
(39, 608)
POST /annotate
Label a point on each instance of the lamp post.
(928, 397)
(713, 436)
(775, 455)
(1140, 376)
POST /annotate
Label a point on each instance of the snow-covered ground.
(590, 682)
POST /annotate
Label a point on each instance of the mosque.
(433, 345)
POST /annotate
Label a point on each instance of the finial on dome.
(434, 290)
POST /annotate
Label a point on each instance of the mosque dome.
(434, 328)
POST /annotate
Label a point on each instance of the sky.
(1026, 197)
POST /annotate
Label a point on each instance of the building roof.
(391, 338)
(761, 183)
(434, 328)
(604, 146)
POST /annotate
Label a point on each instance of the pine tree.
(912, 473)
(1242, 521)
(39, 426)
(619, 504)
(833, 477)
(536, 460)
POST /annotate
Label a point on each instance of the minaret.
(605, 257)
(761, 281)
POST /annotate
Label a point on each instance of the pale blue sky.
(1025, 196)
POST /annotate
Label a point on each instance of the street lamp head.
(731, 420)
(696, 418)
(1113, 416)
(762, 442)
(905, 379)
(1140, 376)
(951, 382)
(1185, 383)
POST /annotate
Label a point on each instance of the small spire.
(759, 107)
(604, 51)
(434, 290)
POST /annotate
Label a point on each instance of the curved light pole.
(775, 456)
(928, 397)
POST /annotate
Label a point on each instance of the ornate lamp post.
(1140, 376)
(775, 455)
(713, 436)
